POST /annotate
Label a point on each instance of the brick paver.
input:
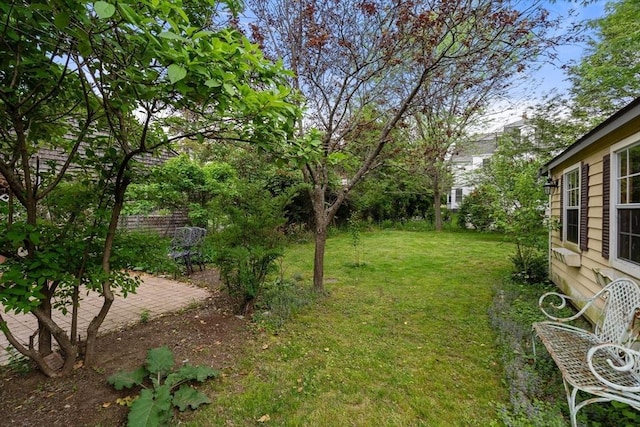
(155, 296)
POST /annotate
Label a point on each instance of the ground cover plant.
(402, 339)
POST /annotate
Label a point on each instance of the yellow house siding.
(619, 130)
(581, 281)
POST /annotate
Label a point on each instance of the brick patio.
(155, 296)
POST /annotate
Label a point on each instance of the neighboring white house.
(474, 156)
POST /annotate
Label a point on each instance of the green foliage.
(144, 316)
(17, 362)
(143, 251)
(391, 193)
(535, 389)
(606, 78)
(82, 74)
(476, 210)
(160, 381)
(183, 182)
(610, 414)
(510, 198)
(531, 264)
(250, 241)
(62, 255)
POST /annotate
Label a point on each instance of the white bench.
(602, 363)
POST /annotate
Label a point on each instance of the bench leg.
(571, 400)
(574, 407)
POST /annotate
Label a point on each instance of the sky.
(550, 76)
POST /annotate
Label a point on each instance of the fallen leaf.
(266, 346)
(106, 404)
(264, 418)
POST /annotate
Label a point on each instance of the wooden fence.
(163, 225)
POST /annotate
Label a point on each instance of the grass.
(403, 339)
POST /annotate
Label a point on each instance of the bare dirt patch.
(209, 334)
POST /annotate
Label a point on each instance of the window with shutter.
(571, 193)
(627, 205)
(561, 216)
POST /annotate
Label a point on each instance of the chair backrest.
(181, 237)
(619, 322)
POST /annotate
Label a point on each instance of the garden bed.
(206, 335)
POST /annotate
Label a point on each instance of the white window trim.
(564, 204)
(619, 264)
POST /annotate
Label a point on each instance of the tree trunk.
(44, 334)
(436, 208)
(318, 259)
(68, 350)
(321, 224)
(107, 293)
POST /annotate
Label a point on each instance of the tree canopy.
(608, 76)
(87, 88)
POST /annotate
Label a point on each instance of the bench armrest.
(562, 303)
(626, 360)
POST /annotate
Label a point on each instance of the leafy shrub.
(244, 269)
(17, 362)
(250, 241)
(143, 252)
(153, 407)
(477, 211)
(530, 265)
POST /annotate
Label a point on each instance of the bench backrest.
(619, 322)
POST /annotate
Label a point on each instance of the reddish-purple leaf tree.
(354, 57)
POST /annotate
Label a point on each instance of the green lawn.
(403, 340)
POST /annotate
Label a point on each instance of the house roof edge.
(621, 117)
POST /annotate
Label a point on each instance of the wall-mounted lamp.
(550, 186)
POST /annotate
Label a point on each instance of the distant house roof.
(625, 115)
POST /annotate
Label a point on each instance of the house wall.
(582, 281)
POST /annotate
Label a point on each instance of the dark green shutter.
(561, 216)
(584, 207)
(606, 200)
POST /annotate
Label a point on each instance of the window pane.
(635, 221)
(572, 225)
(623, 246)
(573, 178)
(624, 225)
(623, 191)
(634, 159)
(635, 249)
(623, 164)
(635, 189)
